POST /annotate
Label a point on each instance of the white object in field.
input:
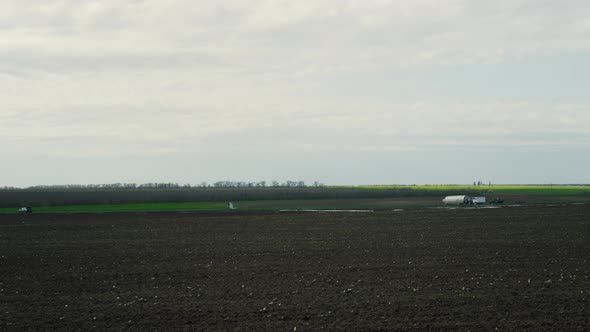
(478, 200)
(25, 209)
(231, 206)
(458, 199)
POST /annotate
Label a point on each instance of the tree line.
(174, 185)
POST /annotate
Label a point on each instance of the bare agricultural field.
(513, 268)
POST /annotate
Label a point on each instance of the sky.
(343, 92)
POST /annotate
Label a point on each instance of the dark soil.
(522, 268)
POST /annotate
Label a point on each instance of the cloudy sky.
(338, 91)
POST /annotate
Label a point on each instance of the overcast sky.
(338, 91)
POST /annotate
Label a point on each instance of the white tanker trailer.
(464, 199)
(458, 199)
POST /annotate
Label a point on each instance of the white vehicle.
(231, 206)
(478, 200)
(25, 209)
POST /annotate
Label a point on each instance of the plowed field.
(513, 268)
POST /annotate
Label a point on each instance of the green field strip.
(125, 207)
(345, 204)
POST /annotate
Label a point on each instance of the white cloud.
(127, 129)
(291, 36)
